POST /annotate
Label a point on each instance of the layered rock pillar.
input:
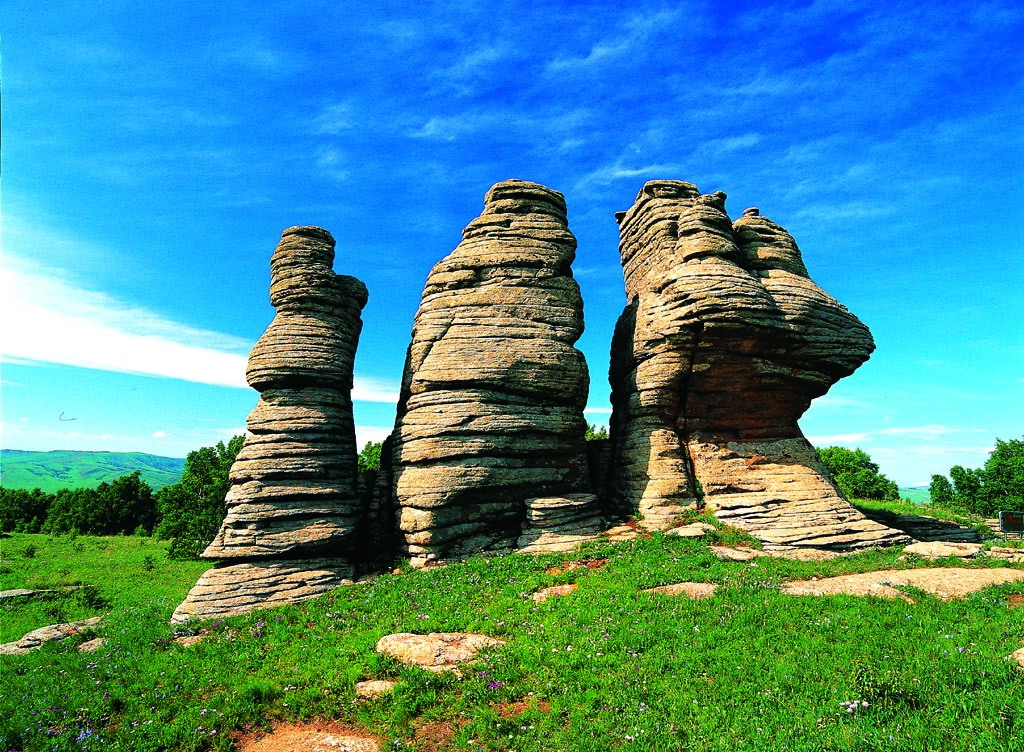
(723, 344)
(293, 507)
(488, 442)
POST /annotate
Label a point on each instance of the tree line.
(189, 512)
(998, 486)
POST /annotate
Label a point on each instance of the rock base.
(233, 589)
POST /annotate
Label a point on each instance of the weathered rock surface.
(723, 344)
(374, 688)
(942, 549)
(689, 589)
(552, 592)
(491, 409)
(560, 523)
(39, 637)
(294, 505)
(693, 530)
(437, 651)
(942, 582)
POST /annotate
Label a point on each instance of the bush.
(856, 475)
(369, 458)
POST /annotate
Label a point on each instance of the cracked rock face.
(294, 502)
(491, 410)
(723, 344)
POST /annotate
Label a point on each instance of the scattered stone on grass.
(689, 589)
(747, 553)
(16, 593)
(1006, 553)
(942, 549)
(738, 553)
(39, 637)
(187, 641)
(1018, 657)
(437, 651)
(312, 736)
(92, 646)
(942, 582)
(568, 566)
(374, 688)
(693, 530)
(550, 592)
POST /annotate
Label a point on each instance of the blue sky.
(153, 152)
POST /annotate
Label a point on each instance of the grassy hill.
(916, 495)
(51, 471)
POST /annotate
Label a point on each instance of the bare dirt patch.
(434, 737)
(942, 582)
(689, 589)
(311, 736)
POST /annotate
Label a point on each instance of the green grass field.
(605, 668)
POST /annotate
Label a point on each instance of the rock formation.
(491, 409)
(294, 504)
(723, 344)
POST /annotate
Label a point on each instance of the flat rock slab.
(552, 592)
(747, 553)
(92, 645)
(942, 549)
(232, 589)
(26, 593)
(1005, 553)
(693, 530)
(374, 688)
(39, 637)
(316, 736)
(689, 589)
(943, 582)
(1017, 656)
(437, 651)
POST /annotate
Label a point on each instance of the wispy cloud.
(62, 322)
(918, 433)
(633, 35)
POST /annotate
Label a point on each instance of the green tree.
(967, 488)
(1003, 477)
(856, 475)
(192, 509)
(369, 458)
(941, 491)
(23, 511)
(595, 432)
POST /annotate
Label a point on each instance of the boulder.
(51, 633)
(491, 408)
(436, 652)
(723, 344)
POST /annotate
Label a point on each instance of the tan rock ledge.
(943, 582)
(689, 589)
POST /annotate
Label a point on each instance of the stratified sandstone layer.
(491, 410)
(723, 344)
(294, 501)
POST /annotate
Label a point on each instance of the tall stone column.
(489, 436)
(293, 507)
(723, 344)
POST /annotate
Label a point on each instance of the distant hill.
(916, 495)
(51, 471)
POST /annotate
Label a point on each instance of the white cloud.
(599, 410)
(61, 322)
(159, 434)
(366, 434)
(839, 438)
